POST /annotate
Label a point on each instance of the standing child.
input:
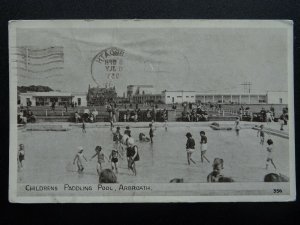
(83, 126)
(151, 133)
(190, 147)
(111, 124)
(21, 156)
(117, 137)
(165, 118)
(114, 158)
(203, 144)
(270, 154)
(261, 134)
(79, 159)
(100, 158)
(237, 126)
(127, 131)
(281, 121)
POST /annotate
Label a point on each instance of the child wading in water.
(127, 131)
(117, 137)
(83, 126)
(270, 154)
(203, 144)
(261, 134)
(215, 175)
(190, 147)
(237, 126)
(79, 159)
(114, 158)
(143, 138)
(165, 118)
(21, 156)
(100, 158)
(151, 132)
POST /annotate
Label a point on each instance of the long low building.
(232, 98)
(46, 98)
(270, 97)
(180, 96)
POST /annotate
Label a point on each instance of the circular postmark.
(107, 66)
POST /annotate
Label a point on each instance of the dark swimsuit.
(114, 157)
(21, 157)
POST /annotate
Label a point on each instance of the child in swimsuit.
(143, 138)
(114, 158)
(83, 127)
(270, 154)
(79, 159)
(190, 147)
(261, 134)
(100, 158)
(21, 155)
(237, 126)
(117, 137)
(203, 144)
(127, 131)
(151, 133)
(215, 175)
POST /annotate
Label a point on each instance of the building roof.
(140, 85)
(178, 91)
(233, 93)
(79, 93)
(47, 94)
(139, 95)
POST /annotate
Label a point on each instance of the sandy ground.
(49, 155)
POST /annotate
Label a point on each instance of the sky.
(193, 59)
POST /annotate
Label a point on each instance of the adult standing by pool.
(132, 155)
(95, 114)
(77, 117)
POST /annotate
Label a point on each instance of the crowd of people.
(25, 115)
(264, 115)
(125, 147)
(123, 143)
(194, 112)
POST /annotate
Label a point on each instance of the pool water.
(49, 155)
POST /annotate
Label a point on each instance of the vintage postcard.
(151, 111)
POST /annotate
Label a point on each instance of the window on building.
(53, 99)
(280, 100)
(179, 96)
(64, 99)
(168, 96)
(192, 96)
(78, 101)
(187, 96)
(40, 101)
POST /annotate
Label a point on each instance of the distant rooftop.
(52, 94)
(177, 91)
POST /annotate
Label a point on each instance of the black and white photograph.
(151, 111)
